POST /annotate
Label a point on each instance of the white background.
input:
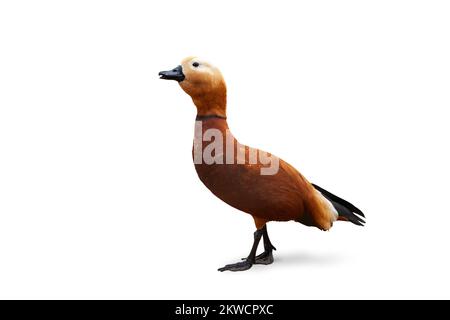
(98, 194)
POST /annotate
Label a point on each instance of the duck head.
(203, 82)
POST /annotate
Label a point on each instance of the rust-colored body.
(284, 196)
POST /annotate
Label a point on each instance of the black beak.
(174, 74)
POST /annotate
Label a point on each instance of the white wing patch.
(333, 213)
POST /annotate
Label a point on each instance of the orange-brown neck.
(212, 103)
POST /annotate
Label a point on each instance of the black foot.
(240, 266)
(264, 258)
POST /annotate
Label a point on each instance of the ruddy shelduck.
(253, 181)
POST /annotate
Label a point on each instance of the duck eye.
(196, 64)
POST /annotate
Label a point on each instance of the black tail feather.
(343, 207)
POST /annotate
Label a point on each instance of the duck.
(249, 179)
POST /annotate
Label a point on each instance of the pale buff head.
(203, 82)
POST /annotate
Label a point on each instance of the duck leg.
(248, 262)
(266, 257)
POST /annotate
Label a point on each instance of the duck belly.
(272, 197)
